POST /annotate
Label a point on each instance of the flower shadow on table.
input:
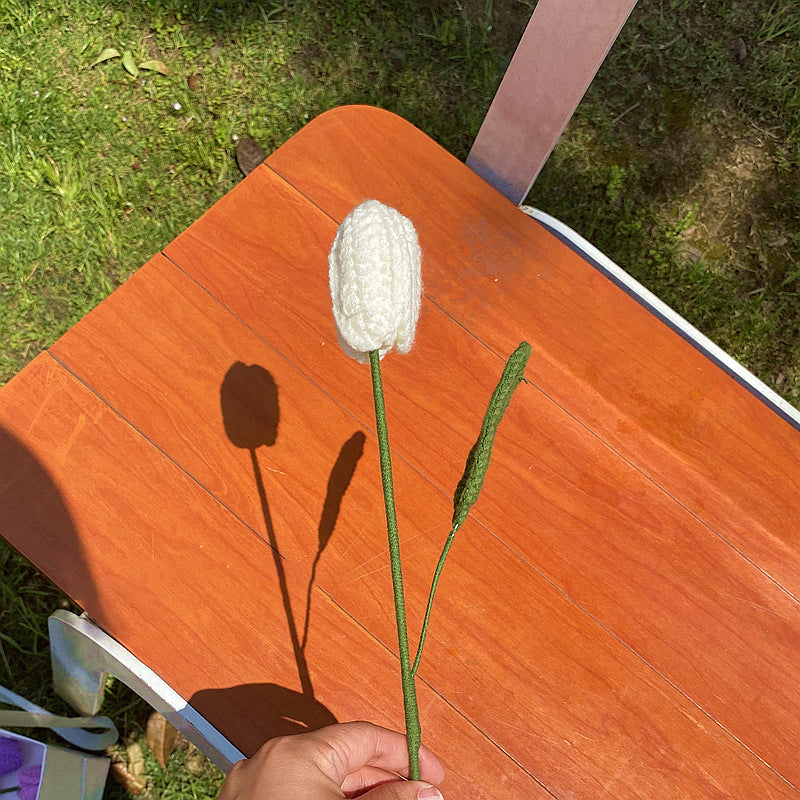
(251, 416)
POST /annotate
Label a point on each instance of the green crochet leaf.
(471, 482)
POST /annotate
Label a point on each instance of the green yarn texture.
(471, 482)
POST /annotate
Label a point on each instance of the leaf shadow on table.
(251, 416)
(34, 516)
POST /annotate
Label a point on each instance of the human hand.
(351, 759)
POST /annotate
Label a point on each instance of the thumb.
(403, 790)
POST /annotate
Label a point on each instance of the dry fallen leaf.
(249, 154)
(131, 774)
(108, 53)
(738, 49)
(136, 762)
(161, 737)
(129, 64)
(156, 66)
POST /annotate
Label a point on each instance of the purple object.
(11, 756)
(29, 779)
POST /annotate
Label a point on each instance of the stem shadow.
(251, 416)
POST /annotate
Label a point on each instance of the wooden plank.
(218, 388)
(563, 45)
(594, 722)
(118, 549)
(640, 387)
(595, 514)
(557, 693)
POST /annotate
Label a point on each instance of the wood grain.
(571, 726)
(596, 514)
(638, 385)
(562, 498)
(181, 360)
(138, 518)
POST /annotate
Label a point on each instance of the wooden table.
(617, 619)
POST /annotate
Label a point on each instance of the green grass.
(682, 164)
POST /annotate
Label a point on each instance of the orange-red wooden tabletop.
(195, 464)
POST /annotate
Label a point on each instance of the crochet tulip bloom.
(375, 281)
(376, 288)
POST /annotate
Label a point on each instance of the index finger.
(354, 745)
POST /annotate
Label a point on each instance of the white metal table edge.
(666, 314)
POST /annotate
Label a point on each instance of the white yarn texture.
(376, 281)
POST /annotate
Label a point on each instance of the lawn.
(682, 164)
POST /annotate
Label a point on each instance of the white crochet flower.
(376, 281)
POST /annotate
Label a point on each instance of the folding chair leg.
(83, 656)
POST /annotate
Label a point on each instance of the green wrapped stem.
(413, 732)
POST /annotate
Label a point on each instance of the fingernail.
(429, 793)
